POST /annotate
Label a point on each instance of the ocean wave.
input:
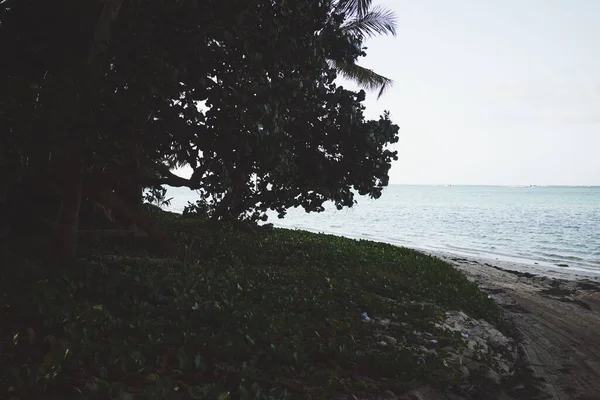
(562, 257)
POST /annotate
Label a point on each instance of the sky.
(491, 92)
(499, 92)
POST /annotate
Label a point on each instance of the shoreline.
(520, 262)
(557, 316)
(518, 268)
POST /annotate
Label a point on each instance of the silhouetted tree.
(103, 99)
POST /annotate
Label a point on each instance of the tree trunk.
(65, 239)
(65, 236)
(105, 195)
(230, 207)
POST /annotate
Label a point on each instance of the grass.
(269, 316)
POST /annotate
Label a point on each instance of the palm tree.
(362, 20)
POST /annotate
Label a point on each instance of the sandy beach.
(557, 314)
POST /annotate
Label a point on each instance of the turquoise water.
(544, 225)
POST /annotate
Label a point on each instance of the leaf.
(256, 389)
(53, 358)
(31, 335)
(223, 396)
(196, 392)
(151, 378)
(199, 363)
(377, 21)
(365, 77)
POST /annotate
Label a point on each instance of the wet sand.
(557, 313)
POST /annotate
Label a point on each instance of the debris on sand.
(482, 340)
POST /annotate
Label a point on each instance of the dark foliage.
(244, 95)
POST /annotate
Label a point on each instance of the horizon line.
(490, 184)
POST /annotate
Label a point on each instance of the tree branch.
(168, 178)
(174, 181)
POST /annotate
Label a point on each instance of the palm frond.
(354, 8)
(378, 21)
(364, 77)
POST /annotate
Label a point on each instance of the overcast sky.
(500, 92)
(492, 92)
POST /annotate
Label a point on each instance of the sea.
(557, 227)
